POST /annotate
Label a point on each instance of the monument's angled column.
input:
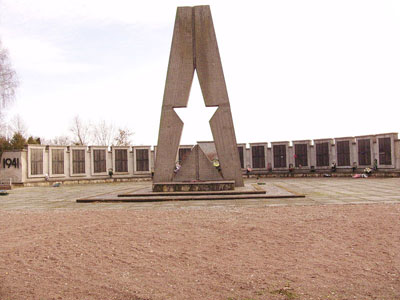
(212, 83)
(176, 94)
(194, 46)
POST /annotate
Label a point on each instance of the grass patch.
(287, 292)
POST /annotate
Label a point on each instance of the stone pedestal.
(198, 186)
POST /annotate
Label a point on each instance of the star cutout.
(196, 117)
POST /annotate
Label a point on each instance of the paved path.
(317, 190)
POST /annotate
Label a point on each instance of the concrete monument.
(194, 47)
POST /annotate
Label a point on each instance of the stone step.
(255, 192)
(150, 198)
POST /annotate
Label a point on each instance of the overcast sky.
(294, 69)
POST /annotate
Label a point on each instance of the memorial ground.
(342, 241)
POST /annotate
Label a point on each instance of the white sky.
(294, 69)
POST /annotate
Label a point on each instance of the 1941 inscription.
(10, 162)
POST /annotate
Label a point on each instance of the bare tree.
(101, 133)
(104, 133)
(60, 140)
(81, 131)
(4, 127)
(123, 137)
(8, 79)
(18, 125)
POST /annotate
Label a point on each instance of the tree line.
(14, 134)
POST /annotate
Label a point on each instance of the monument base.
(194, 186)
(251, 191)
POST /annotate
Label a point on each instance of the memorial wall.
(41, 163)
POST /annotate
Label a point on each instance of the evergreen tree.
(17, 142)
(32, 140)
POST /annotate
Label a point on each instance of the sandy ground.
(292, 252)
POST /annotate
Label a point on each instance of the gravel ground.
(266, 252)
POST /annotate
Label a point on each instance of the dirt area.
(292, 252)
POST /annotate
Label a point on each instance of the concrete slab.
(249, 191)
